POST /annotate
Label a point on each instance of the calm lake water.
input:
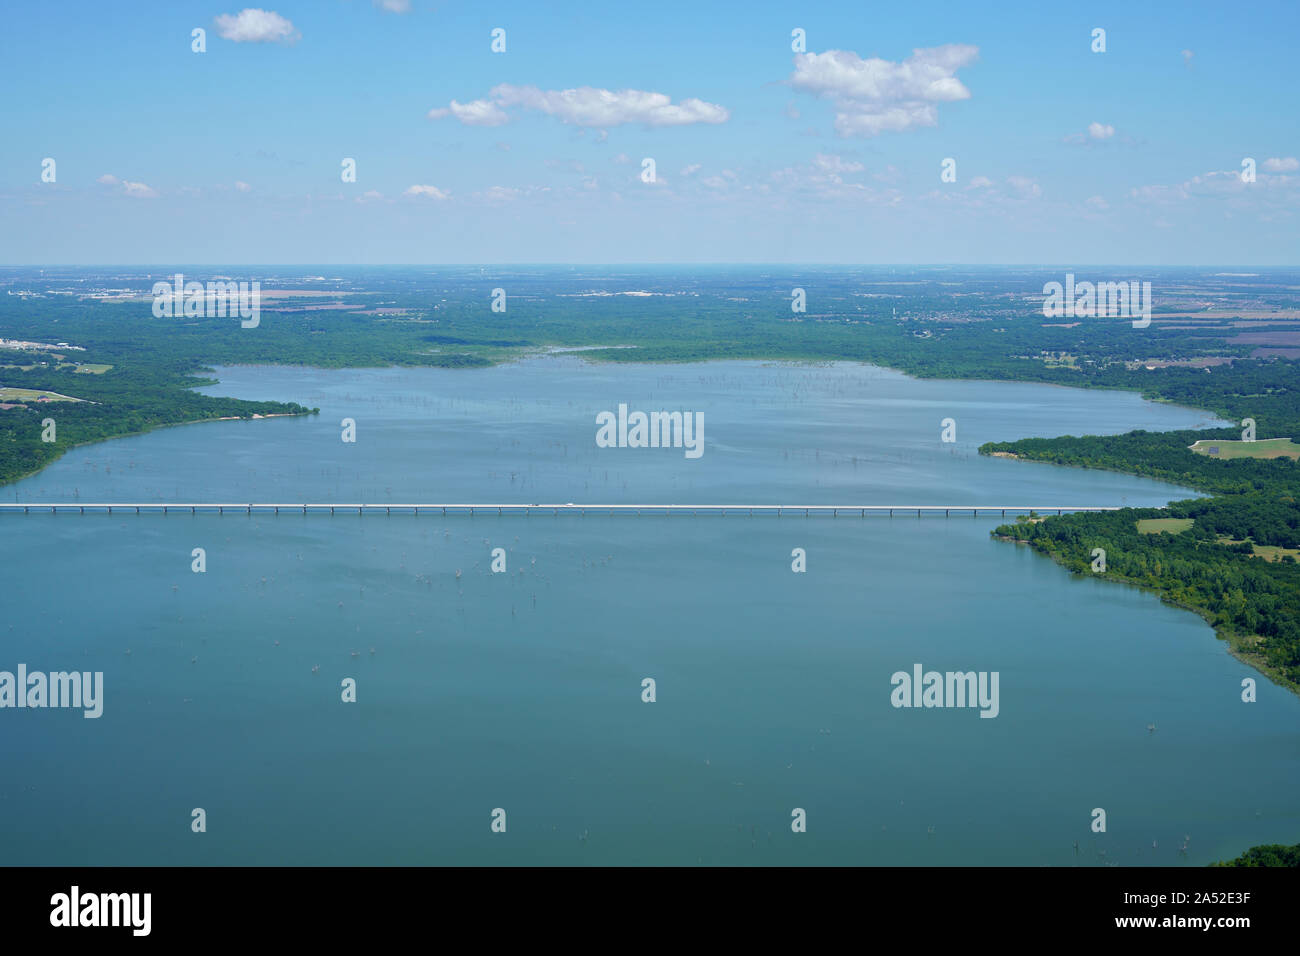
(522, 690)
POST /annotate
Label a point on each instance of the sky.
(765, 149)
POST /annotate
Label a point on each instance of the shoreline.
(1233, 640)
(144, 431)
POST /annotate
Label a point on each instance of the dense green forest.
(1212, 567)
(1270, 854)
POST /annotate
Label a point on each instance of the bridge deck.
(166, 507)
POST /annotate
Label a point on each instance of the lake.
(522, 690)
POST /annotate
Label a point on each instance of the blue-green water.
(522, 690)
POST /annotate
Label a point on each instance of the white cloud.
(875, 96)
(134, 190)
(500, 193)
(1096, 202)
(1288, 164)
(1187, 57)
(1096, 132)
(252, 25)
(837, 165)
(243, 187)
(432, 192)
(584, 106)
(473, 113)
(394, 6)
(690, 170)
(370, 195)
(1024, 187)
(622, 159)
(1215, 183)
(980, 182)
(822, 178)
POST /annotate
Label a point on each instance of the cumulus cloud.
(690, 170)
(128, 188)
(584, 106)
(1187, 57)
(874, 96)
(1023, 187)
(837, 165)
(370, 195)
(1096, 133)
(822, 178)
(473, 113)
(394, 6)
(1288, 164)
(430, 192)
(252, 25)
(242, 186)
(1216, 183)
(980, 182)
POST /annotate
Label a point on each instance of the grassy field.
(31, 395)
(91, 368)
(1268, 448)
(1268, 552)
(1161, 525)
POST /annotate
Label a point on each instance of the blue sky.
(1063, 155)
